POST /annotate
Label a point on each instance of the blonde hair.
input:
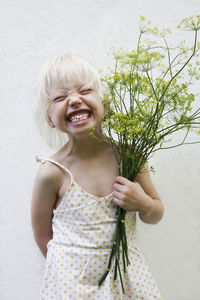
(61, 69)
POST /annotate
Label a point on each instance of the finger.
(118, 202)
(121, 180)
(117, 195)
(118, 187)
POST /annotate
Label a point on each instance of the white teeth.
(79, 117)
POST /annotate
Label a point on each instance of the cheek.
(57, 113)
(99, 112)
(100, 107)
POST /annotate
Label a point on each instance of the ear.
(105, 107)
(106, 103)
(50, 122)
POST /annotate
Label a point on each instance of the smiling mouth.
(79, 116)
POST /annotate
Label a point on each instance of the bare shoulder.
(48, 181)
(145, 170)
(49, 173)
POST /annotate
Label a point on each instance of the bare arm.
(140, 196)
(153, 209)
(43, 201)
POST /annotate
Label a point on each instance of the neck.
(87, 147)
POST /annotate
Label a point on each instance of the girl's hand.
(140, 196)
(130, 195)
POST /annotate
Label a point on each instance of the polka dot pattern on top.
(77, 256)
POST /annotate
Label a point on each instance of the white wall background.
(32, 31)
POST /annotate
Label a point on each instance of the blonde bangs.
(71, 68)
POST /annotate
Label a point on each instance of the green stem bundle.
(144, 108)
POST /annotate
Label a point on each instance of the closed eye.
(59, 98)
(87, 91)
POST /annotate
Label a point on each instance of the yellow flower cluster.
(191, 23)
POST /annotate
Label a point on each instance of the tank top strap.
(43, 160)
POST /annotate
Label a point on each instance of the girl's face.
(75, 108)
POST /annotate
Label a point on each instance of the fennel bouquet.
(149, 98)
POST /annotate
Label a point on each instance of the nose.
(74, 99)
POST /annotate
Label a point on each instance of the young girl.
(77, 190)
